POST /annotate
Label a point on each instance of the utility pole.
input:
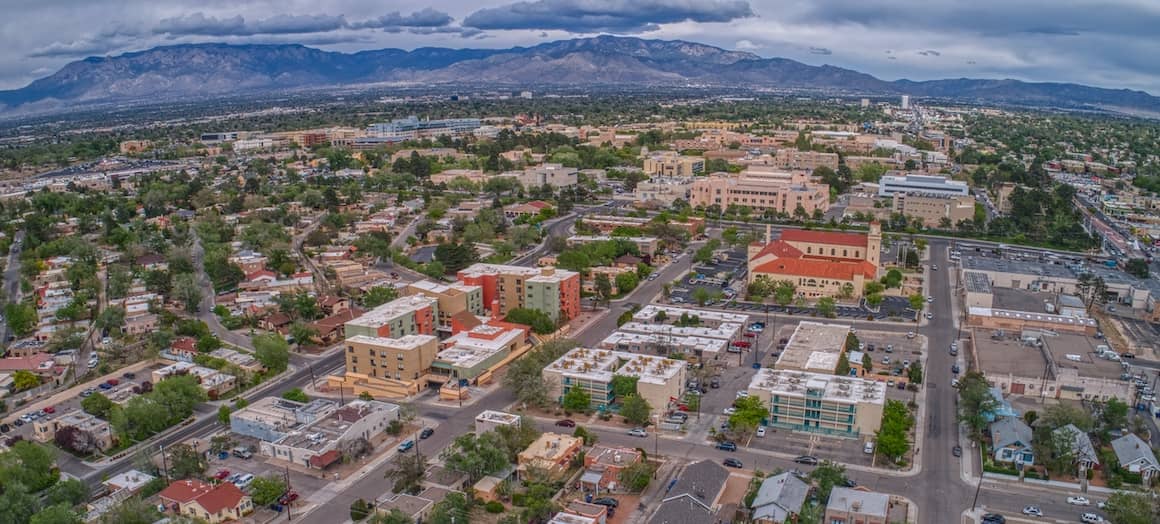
(164, 462)
(286, 476)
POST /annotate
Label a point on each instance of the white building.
(888, 185)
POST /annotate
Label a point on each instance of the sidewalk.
(74, 391)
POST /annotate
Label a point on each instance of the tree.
(17, 504)
(1137, 267)
(223, 415)
(975, 403)
(272, 351)
(914, 373)
(395, 516)
(867, 363)
(112, 318)
(296, 395)
(916, 301)
(826, 307)
(22, 318)
(56, 514)
(636, 476)
(408, 473)
(636, 410)
(1115, 414)
(378, 296)
(783, 292)
(1091, 289)
(748, 414)
(843, 368)
(892, 433)
(76, 440)
(847, 291)
(874, 299)
(476, 455)
(626, 282)
(22, 380)
(603, 286)
(1132, 508)
(827, 475)
(701, 296)
(28, 464)
(68, 491)
(892, 279)
(267, 489)
(185, 462)
(576, 400)
(186, 291)
(539, 321)
(360, 509)
(132, 511)
(302, 333)
(912, 258)
(624, 386)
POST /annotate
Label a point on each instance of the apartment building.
(398, 364)
(787, 158)
(670, 164)
(659, 379)
(94, 430)
(454, 299)
(820, 403)
(934, 209)
(761, 192)
(556, 292)
(698, 342)
(647, 246)
(888, 185)
(819, 263)
(474, 354)
(409, 315)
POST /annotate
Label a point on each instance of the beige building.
(820, 403)
(857, 506)
(663, 190)
(552, 452)
(647, 246)
(659, 379)
(1046, 364)
(761, 191)
(670, 164)
(933, 208)
(454, 299)
(819, 263)
(490, 419)
(94, 431)
(386, 367)
(788, 158)
(814, 347)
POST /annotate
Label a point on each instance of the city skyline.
(1099, 45)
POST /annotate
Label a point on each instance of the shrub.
(520, 499)
(493, 506)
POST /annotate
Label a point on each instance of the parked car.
(105, 386)
(607, 502)
(1091, 518)
(715, 382)
(1079, 501)
(222, 474)
(289, 497)
(426, 433)
(242, 452)
(638, 432)
(868, 448)
(733, 463)
(727, 446)
(1032, 511)
(130, 375)
(955, 369)
(112, 382)
(994, 518)
(566, 423)
(808, 460)
(957, 450)
(730, 411)
(910, 334)
(761, 431)
(406, 446)
(49, 410)
(742, 394)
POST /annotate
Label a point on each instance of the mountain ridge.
(221, 70)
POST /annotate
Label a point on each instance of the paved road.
(320, 282)
(12, 279)
(205, 310)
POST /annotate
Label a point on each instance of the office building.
(271, 418)
(905, 103)
(819, 263)
(552, 175)
(411, 128)
(556, 292)
(791, 158)
(761, 192)
(888, 185)
(663, 190)
(814, 347)
(663, 314)
(387, 367)
(659, 379)
(94, 431)
(934, 209)
(454, 299)
(409, 315)
(820, 403)
(669, 164)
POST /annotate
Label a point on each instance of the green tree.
(21, 318)
(912, 258)
(916, 301)
(843, 368)
(68, 491)
(1115, 414)
(28, 464)
(892, 279)
(975, 402)
(892, 439)
(132, 511)
(297, 395)
(748, 414)
(186, 291)
(112, 318)
(623, 385)
(1137, 267)
(267, 489)
(636, 477)
(914, 373)
(395, 516)
(826, 476)
(224, 413)
(408, 473)
(360, 509)
(1132, 508)
(635, 410)
(378, 296)
(17, 504)
(701, 296)
(577, 400)
(185, 462)
(827, 307)
(56, 514)
(783, 292)
(22, 380)
(626, 282)
(603, 286)
(302, 333)
(874, 299)
(272, 351)
(476, 455)
(539, 321)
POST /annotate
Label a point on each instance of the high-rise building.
(556, 292)
(865, 102)
(906, 101)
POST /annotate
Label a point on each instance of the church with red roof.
(818, 263)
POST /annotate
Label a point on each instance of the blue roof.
(1003, 407)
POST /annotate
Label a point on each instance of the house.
(414, 507)
(90, 431)
(551, 452)
(152, 262)
(184, 348)
(603, 464)
(857, 506)
(276, 322)
(1083, 453)
(532, 208)
(1011, 441)
(330, 329)
(131, 480)
(333, 305)
(213, 504)
(1136, 456)
(780, 499)
(692, 499)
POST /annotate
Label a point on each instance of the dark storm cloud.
(75, 48)
(200, 25)
(820, 51)
(616, 16)
(425, 18)
(929, 52)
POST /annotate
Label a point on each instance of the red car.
(682, 407)
(289, 497)
(222, 475)
(113, 382)
(49, 410)
(750, 334)
(740, 344)
(566, 423)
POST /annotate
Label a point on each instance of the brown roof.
(184, 491)
(824, 237)
(224, 496)
(278, 319)
(340, 319)
(325, 459)
(330, 300)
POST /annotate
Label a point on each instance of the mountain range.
(221, 70)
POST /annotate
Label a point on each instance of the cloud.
(427, 17)
(198, 24)
(745, 45)
(75, 48)
(820, 51)
(613, 16)
(930, 52)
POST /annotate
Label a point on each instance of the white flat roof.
(501, 417)
(710, 345)
(385, 313)
(532, 273)
(465, 351)
(442, 289)
(647, 313)
(810, 338)
(724, 331)
(849, 390)
(1037, 317)
(405, 343)
(602, 364)
(599, 238)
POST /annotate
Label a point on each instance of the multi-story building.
(888, 185)
(553, 175)
(787, 158)
(663, 190)
(556, 292)
(95, 431)
(387, 367)
(319, 445)
(410, 315)
(670, 164)
(761, 192)
(820, 403)
(819, 263)
(474, 354)
(659, 379)
(454, 299)
(607, 223)
(271, 418)
(699, 342)
(411, 128)
(647, 246)
(662, 314)
(934, 209)
(814, 347)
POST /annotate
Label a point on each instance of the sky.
(1106, 43)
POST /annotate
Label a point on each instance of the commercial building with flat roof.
(704, 349)
(490, 419)
(469, 354)
(453, 299)
(888, 185)
(410, 315)
(271, 418)
(760, 193)
(1049, 364)
(934, 209)
(820, 403)
(555, 292)
(663, 190)
(318, 445)
(646, 245)
(814, 347)
(551, 452)
(554, 175)
(607, 223)
(651, 314)
(851, 505)
(659, 379)
(669, 164)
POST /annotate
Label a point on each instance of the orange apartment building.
(556, 292)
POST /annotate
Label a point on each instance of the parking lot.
(724, 275)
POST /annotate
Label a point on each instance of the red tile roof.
(800, 267)
(261, 273)
(780, 249)
(824, 237)
(186, 344)
(32, 362)
(184, 491)
(223, 496)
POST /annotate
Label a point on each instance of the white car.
(742, 394)
(1079, 501)
(930, 300)
(761, 431)
(1032, 511)
(1091, 517)
(638, 432)
(730, 411)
